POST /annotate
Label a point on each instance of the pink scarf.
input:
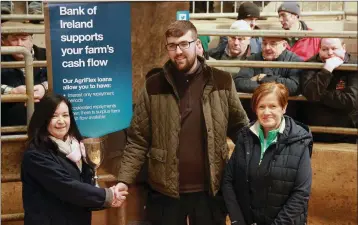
(73, 149)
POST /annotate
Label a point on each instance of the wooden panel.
(11, 156)
(334, 186)
(13, 223)
(11, 198)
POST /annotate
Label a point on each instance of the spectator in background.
(237, 48)
(13, 79)
(273, 49)
(289, 14)
(334, 92)
(205, 42)
(249, 12)
(200, 51)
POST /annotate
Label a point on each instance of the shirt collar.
(256, 127)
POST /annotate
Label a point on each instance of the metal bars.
(272, 64)
(279, 33)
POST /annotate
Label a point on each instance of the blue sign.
(183, 15)
(92, 63)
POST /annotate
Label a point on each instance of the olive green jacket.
(155, 127)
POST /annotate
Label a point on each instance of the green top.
(265, 143)
(205, 41)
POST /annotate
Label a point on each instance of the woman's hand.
(120, 191)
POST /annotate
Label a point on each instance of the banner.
(90, 62)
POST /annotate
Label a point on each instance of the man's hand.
(39, 92)
(340, 53)
(120, 192)
(19, 90)
(258, 77)
(333, 63)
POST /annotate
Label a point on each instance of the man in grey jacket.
(273, 49)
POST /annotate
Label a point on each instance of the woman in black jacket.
(57, 182)
(268, 178)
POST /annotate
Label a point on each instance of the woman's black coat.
(55, 192)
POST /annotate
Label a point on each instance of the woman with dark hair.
(58, 187)
(268, 177)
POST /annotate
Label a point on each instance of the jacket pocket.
(156, 165)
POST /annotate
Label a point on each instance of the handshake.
(120, 191)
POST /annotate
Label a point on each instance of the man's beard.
(186, 68)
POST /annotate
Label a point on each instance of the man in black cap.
(249, 12)
(289, 14)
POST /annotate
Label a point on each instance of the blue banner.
(92, 64)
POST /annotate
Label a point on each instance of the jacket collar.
(256, 127)
(304, 25)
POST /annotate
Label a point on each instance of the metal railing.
(269, 14)
(275, 64)
(22, 17)
(279, 33)
(30, 29)
(197, 13)
(18, 64)
(341, 11)
(236, 5)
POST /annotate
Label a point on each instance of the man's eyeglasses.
(182, 45)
